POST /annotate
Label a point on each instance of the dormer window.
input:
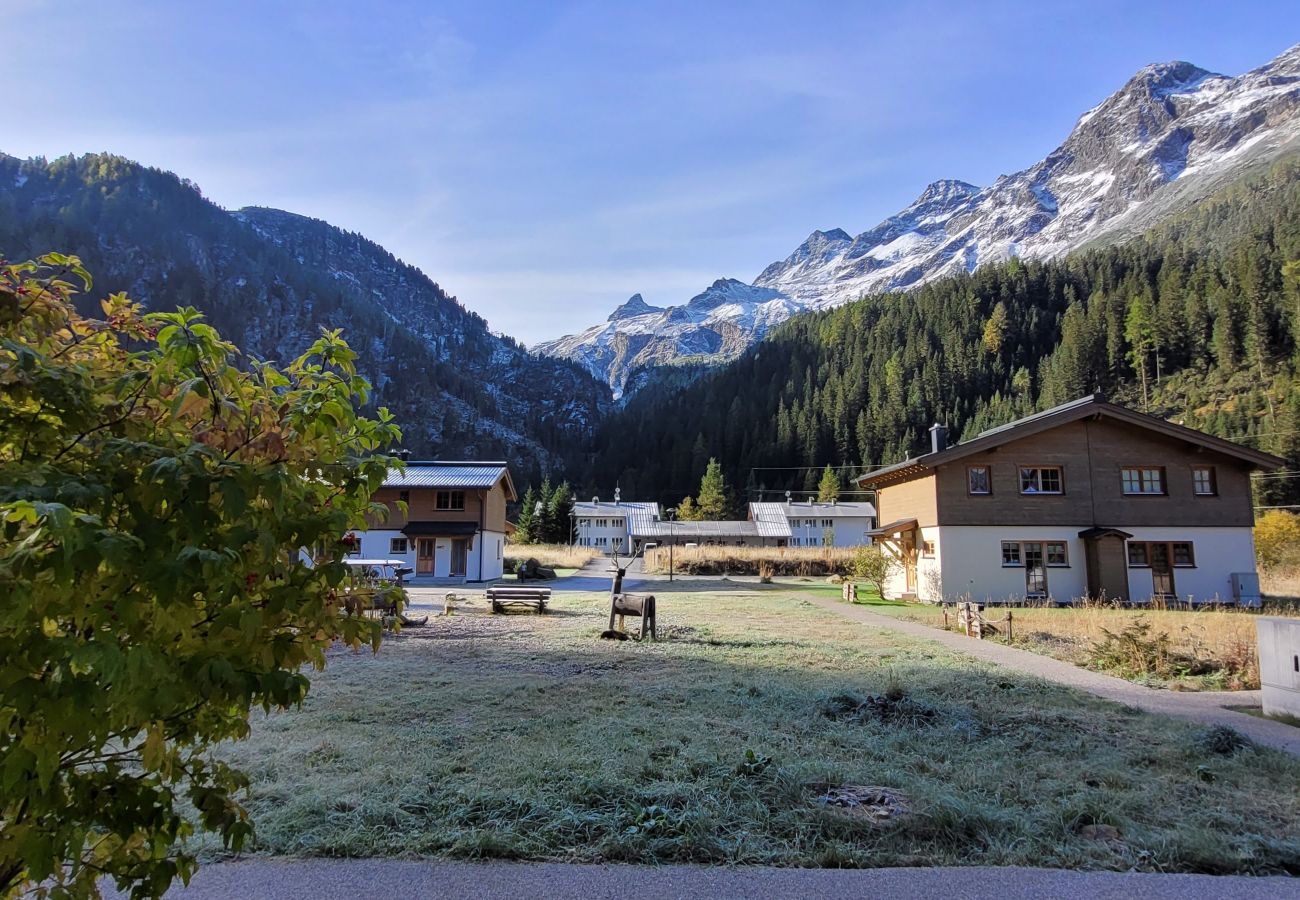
(1040, 479)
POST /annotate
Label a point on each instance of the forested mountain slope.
(1204, 311)
(269, 280)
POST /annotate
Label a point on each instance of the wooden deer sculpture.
(621, 605)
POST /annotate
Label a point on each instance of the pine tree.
(526, 526)
(687, 510)
(828, 488)
(557, 514)
(1139, 331)
(713, 501)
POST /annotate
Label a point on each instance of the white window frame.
(1143, 481)
(1038, 480)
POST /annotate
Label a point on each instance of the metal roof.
(642, 521)
(837, 510)
(770, 520)
(611, 509)
(448, 475)
(686, 530)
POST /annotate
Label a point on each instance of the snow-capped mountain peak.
(1165, 139)
(632, 307)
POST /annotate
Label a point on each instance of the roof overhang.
(897, 527)
(440, 529)
(1088, 407)
(1092, 534)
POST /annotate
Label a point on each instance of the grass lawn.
(525, 736)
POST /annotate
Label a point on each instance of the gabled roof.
(1094, 405)
(452, 476)
(770, 520)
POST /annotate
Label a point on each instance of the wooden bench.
(500, 597)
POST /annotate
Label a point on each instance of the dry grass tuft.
(1198, 649)
(716, 560)
(553, 556)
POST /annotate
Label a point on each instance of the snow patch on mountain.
(1158, 143)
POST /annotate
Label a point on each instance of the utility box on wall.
(1279, 664)
(1245, 589)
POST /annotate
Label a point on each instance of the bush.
(1277, 540)
(155, 494)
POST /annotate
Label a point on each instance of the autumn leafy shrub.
(156, 496)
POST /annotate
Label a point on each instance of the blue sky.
(544, 161)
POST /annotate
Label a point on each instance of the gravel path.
(1206, 708)
(323, 879)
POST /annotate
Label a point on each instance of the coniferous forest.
(1197, 321)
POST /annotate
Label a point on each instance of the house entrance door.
(424, 556)
(1162, 573)
(1035, 571)
(458, 555)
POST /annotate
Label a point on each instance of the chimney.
(938, 437)
(404, 455)
(618, 495)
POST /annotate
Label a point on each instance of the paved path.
(322, 879)
(1206, 708)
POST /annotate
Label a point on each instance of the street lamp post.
(672, 514)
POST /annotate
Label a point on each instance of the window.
(1142, 480)
(1056, 555)
(1204, 483)
(828, 523)
(1023, 553)
(397, 545)
(1011, 553)
(601, 542)
(927, 549)
(450, 500)
(404, 496)
(1142, 554)
(977, 480)
(1040, 479)
(1137, 554)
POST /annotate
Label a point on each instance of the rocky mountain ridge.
(1167, 138)
(270, 280)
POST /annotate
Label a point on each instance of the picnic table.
(500, 597)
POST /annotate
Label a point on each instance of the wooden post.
(1008, 626)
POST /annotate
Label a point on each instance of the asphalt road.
(255, 879)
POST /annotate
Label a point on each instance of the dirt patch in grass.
(889, 709)
(527, 737)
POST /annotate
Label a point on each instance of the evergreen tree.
(828, 488)
(557, 515)
(713, 500)
(527, 524)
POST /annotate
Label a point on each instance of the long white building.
(621, 526)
